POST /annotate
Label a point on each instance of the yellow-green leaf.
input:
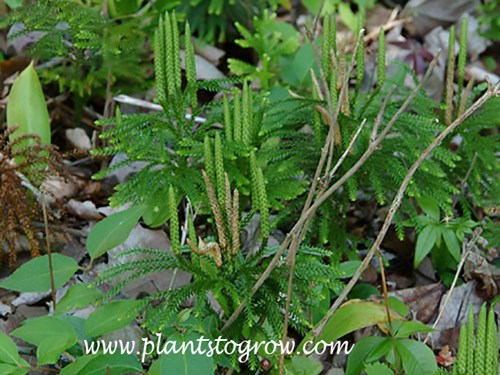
(354, 315)
(27, 108)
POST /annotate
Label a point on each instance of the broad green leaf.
(347, 16)
(156, 214)
(425, 242)
(49, 350)
(111, 317)
(13, 4)
(349, 268)
(76, 322)
(417, 357)
(353, 315)
(378, 369)
(313, 6)
(75, 368)
(26, 107)
(183, 364)
(8, 369)
(363, 291)
(301, 365)
(98, 364)
(112, 231)
(120, 8)
(430, 206)
(397, 305)
(34, 276)
(50, 334)
(77, 297)
(362, 353)
(410, 328)
(8, 352)
(451, 241)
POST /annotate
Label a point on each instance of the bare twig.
(125, 99)
(49, 253)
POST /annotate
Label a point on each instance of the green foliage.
(353, 316)
(433, 231)
(32, 118)
(414, 356)
(212, 20)
(77, 297)
(489, 16)
(110, 317)
(478, 353)
(183, 363)
(112, 231)
(344, 9)
(51, 335)
(174, 221)
(10, 360)
(175, 148)
(90, 48)
(102, 363)
(34, 276)
(229, 285)
(270, 39)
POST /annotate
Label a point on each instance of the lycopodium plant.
(478, 348)
(224, 273)
(175, 143)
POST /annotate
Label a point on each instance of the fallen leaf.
(445, 357)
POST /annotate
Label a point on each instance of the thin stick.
(49, 253)
(125, 99)
(468, 248)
